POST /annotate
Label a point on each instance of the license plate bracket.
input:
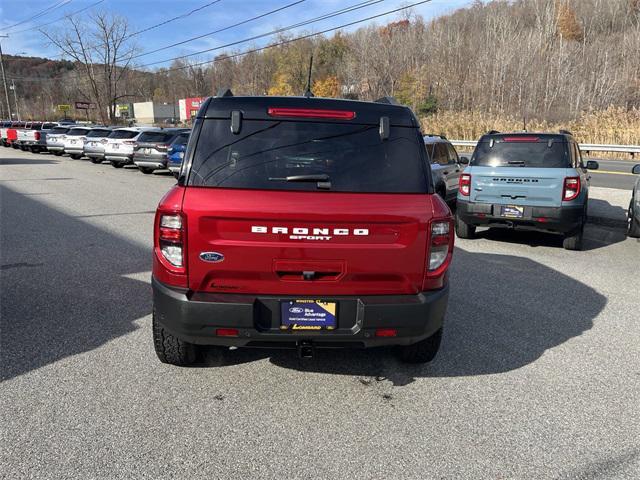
(511, 211)
(308, 315)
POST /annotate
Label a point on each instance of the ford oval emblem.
(211, 257)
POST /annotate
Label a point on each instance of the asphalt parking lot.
(538, 376)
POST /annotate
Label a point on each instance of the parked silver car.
(446, 166)
(94, 143)
(74, 141)
(55, 139)
(119, 147)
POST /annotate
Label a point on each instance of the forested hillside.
(543, 60)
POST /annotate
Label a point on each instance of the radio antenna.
(308, 93)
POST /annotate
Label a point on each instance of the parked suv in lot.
(533, 181)
(55, 139)
(74, 141)
(150, 150)
(445, 166)
(119, 147)
(175, 154)
(94, 143)
(303, 223)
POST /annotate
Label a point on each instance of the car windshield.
(76, 132)
(123, 134)
(156, 137)
(98, 133)
(538, 153)
(289, 155)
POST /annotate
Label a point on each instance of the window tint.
(122, 134)
(156, 137)
(181, 139)
(59, 130)
(578, 156)
(440, 154)
(98, 133)
(47, 126)
(353, 157)
(537, 154)
(76, 132)
(453, 156)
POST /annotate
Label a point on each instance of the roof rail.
(566, 132)
(224, 92)
(492, 132)
(388, 100)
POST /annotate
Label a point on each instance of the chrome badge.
(211, 257)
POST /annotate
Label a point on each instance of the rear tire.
(35, 150)
(171, 349)
(633, 226)
(75, 156)
(424, 351)
(146, 170)
(464, 230)
(95, 160)
(117, 164)
(574, 242)
(57, 154)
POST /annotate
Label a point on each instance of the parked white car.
(119, 147)
(74, 141)
(55, 139)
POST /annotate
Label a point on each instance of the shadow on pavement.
(62, 285)
(64, 291)
(26, 161)
(603, 213)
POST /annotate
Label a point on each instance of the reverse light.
(571, 188)
(170, 239)
(162, 147)
(440, 239)
(311, 113)
(465, 184)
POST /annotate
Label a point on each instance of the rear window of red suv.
(266, 153)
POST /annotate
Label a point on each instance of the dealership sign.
(85, 105)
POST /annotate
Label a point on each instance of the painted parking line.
(611, 172)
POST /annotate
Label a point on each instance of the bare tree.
(103, 50)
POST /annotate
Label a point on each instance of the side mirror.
(636, 169)
(464, 160)
(592, 165)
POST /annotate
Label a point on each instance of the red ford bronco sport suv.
(301, 223)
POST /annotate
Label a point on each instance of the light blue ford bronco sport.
(534, 181)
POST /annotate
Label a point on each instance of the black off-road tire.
(117, 164)
(464, 230)
(422, 352)
(633, 226)
(146, 170)
(57, 154)
(95, 160)
(574, 241)
(171, 349)
(75, 156)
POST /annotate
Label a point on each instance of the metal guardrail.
(585, 147)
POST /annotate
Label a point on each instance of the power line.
(37, 27)
(326, 16)
(184, 15)
(41, 14)
(274, 45)
(221, 29)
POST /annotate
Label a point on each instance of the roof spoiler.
(388, 100)
(492, 132)
(224, 92)
(566, 132)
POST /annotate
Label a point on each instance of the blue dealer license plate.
(308, 315)
(512, 211)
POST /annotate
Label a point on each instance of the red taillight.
(571, 188)
(162, 147)
(439, 253)
(227, 332)
(386, 332)
(311, 113)
(170, 244)
(129, 142)
(521, 139)
(465, 184)
(37, 135)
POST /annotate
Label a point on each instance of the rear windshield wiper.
(516, 162)
(324, 181)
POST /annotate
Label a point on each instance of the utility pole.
(4, 78)
(15, 97)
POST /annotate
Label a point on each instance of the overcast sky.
(146, 13)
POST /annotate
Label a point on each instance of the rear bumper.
(126, 159)
(148, 163)
(55, 148)
(195, 318)
(547, 219)
(74, 150)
